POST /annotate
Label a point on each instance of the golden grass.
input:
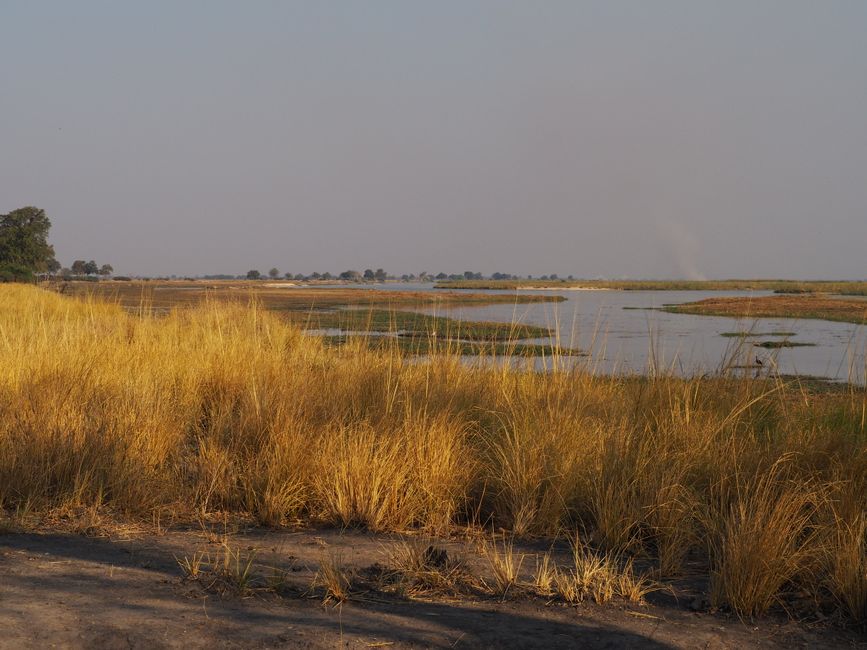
(333, 578)
(505, 565)
(226, 408)
(600, 577)
(420, 568)
(762, 536)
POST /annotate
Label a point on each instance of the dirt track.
(72, 591)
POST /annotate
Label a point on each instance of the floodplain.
(255, 469)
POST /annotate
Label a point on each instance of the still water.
(624, 331)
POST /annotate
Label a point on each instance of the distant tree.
(352, 276)
(380, 275)
(299, 276)
(554, 276)
(106, 269)
(316, 275)
(327, 276)
(91, 268)
(253, 275)
(65, 272)
(571, 277)
(53, 267)
(368, 274)
(24, 247)
(441, 276)
(274, 273)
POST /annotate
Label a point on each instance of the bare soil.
(67, 590)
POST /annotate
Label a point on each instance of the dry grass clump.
(419, 567)
(544, 576)
(762, 536)
(228, 570)
(600, 578)
(505, 565)
(333, 579)
(227, 408)
(845, 561)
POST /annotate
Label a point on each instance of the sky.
(664, 139)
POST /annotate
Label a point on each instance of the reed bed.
(227, 408)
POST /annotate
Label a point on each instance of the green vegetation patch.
(428, 345)
(773, 345)
(418, 325)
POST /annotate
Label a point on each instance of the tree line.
(26, 255)
(379, 275)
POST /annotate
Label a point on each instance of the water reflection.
(625, 331)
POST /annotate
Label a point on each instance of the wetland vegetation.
(159, 294)
(819, 307)
(418, 325)
(426, 345)
(779, 286)
(757, 489)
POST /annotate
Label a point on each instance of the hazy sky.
(617, 139)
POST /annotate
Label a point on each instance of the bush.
(10, 272)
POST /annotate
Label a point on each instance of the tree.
(79, 267)
(53, 267)
(24, 247)
(273, 273)
(353, 276)
(91, 268)
(380, 275)
(253, 275)
(106, 269)
(368, 274)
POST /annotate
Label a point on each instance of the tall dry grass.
(228, 408)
